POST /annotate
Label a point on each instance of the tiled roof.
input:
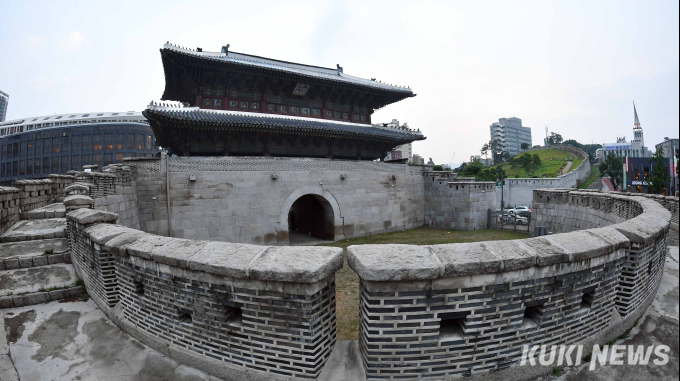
(295, 68)
(278, 122)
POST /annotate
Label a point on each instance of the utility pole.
(499, 172)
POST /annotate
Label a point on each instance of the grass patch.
(552, 163)
(594, 175)
(557, 371)
(347, 281)
(80, 282)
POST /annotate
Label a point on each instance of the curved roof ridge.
(211, 113)
(292, 67)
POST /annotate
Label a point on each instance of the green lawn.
(552, 163)
(594, 175)
(347, 281)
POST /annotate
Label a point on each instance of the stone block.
(394, 262)
(25, 263)
(302, 264)
(55, 258)
(11, 264)
(40, 261)
(6, 301)
(31, 299)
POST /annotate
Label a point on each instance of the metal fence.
(508, 221)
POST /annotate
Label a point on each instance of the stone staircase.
(35, 259)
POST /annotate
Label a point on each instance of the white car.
(521, 209)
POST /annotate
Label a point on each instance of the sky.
(573, 65)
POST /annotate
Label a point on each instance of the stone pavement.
(74, 340)
(34, 229)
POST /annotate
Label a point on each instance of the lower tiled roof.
(202, 118)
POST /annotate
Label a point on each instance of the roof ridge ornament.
(225, 49)
(339, 69)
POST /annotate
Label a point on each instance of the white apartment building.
(402, 151)
(510, 133)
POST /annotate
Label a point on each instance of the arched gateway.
(311, 212)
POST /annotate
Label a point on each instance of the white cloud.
(74, 41)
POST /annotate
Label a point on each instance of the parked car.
(522, 209)
(525, 214)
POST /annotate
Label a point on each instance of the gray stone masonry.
(9, 207)
(267, 309)
(447, 311)
(238, 200)
(461, 205)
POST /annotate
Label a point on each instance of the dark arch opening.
(311, 215)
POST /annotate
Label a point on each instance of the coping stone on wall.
(145, 246)
(394, 262)
(409, 262)
(266, 263)
(90, 216)
(78, 199)
(102, 233)
(296, 264)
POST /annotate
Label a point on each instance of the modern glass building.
(37, 146)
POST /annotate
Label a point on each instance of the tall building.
(404, 151)
(670, 147)
(36, 146)
(4, 101)
(623, 148)
(510, 133)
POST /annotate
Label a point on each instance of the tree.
(485, 150)
(613, 167)
(437, 168)
(590, 149)
(495, 147)
(659, 173)
(555, 138)
(472, 169)
(525, 146)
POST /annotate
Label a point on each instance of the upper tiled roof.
(269, 121)
(291, 67)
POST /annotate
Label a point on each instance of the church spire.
(637, 121)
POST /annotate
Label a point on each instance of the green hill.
(552, 163)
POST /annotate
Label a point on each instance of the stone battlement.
(212, 303)
(455, 310)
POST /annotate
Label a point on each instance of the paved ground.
(32, 248)
(34, 279)
(299, 239)
(35, 229)
(566, 168)
(75, 341)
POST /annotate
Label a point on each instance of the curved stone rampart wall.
(519, 191)
(237, 311)
(461, 309)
